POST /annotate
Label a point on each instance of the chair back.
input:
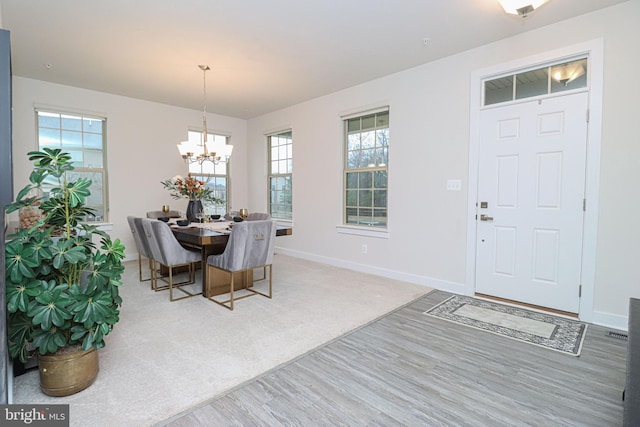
(258, 216)
(139, 236)
(160, 214)
(149, 234)
(164, 245)
(250, 246)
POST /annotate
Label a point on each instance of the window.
(216, 176)
(280, 175)
(366, 169)
(83, 137)
(540, 81)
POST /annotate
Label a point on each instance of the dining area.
(220, 258)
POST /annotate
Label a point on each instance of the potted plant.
(62, 287)
(193, 189)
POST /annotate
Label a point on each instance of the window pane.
(381, 157)
(76, 157)
(71, 140)
(49, 138)
(351, 216)
(95, 199)
(353, 142)
(380, 198)
(532, 83)
(93, 141)
(353, 125)
(382, 120)
(365, 198)
(366, 148)
(70, 133)
(92, 159)
(368, 140)
(369, 122)
(538, 82)
(92, 125)
(382, 137)
(48, 120)
(368, 158)
(352, 180)
(353, 160)
(365, 180)
(498, 90)
(281, 164)
(214, 175)
(380, 179)
(72, 123)
(571, 75)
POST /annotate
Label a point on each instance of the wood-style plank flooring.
(410, 369)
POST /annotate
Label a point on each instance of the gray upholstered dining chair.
(160, 214)
(167, 251)
(257, 216)
(142, 246)
(250, 246)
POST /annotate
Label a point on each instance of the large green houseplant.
(62, 287)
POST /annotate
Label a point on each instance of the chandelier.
(521, 7)
(192, 152)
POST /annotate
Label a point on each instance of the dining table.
(211, 238)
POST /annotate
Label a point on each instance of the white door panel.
(532, 178)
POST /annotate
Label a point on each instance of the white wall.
(141, 150)
(430, 143)
(429, 129)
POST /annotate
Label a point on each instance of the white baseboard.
(457, 288)
(607, 320)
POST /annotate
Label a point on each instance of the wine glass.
(243, 213)
(165, 208)
(200, 215)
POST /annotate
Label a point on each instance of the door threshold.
(531, 306)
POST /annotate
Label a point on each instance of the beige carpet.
(163, 358)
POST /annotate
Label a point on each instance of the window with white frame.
(280, 175)
(366, 168)
(216, 176)
(84, 138)
(541, 81)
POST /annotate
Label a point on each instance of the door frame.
(595, 51)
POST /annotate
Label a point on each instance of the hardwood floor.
(409, 369)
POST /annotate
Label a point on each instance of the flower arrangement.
(190, 188)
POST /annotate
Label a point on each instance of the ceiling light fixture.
(192, 152)
(521, 7)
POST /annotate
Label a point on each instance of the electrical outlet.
(364, 249)
(454, 185)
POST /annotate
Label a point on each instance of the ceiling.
(264, 55)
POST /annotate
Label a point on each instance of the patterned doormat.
(553, 332)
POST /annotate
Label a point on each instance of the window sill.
(380, 233)
(284, 222)
(103, 226)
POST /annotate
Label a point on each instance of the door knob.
(484, 217)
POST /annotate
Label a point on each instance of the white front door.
(531, 186)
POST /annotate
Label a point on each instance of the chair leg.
(190, 281)
(170, 283)
(231, 293)
(228, 304)
(270, 294)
